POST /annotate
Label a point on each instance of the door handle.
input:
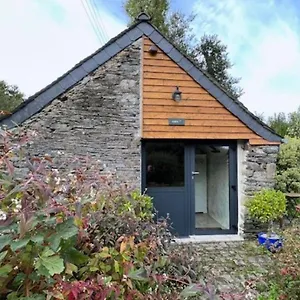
(195, 173)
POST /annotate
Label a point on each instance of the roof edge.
(45, 96)
(236, 107)
(35, 103)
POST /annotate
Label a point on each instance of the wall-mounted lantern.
(176, 96)
(153, 50)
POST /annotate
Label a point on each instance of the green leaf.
(191, 290)
(47, 252)
(6, 229)
(15, 245)
(12, 296)
(19, 279)
(4, 241)
(42, 270)
(49, 263)
(107, 280)
(140, 274)
(2, 255)
(104, 255)
(32, 297)
(64, 231)
(117, 266)
(74, 256)
(70, 268)
(5, 270)
(53, 264)
(38, 238)
(35, 277)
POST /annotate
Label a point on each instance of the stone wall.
(98, 118)
(259, 173)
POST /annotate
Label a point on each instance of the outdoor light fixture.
(176, 96)
(153, 50)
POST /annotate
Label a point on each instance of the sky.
(42, 39)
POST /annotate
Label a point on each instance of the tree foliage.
(286, 124)
(10, 97)
(208, 51)
(279, 123)
(156, 9)
(288, 167)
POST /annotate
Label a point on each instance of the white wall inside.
(218, 186)
(201, 183)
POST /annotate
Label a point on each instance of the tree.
(288, 167)
(279, 123)
(286, 124)
(294, 124)
(156, 9)
(208, 53)
(213, 57)
(10, 97)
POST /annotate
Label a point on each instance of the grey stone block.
(260, 171)
(99, 119)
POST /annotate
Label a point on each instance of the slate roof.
(142, 27)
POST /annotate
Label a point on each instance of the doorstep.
(210, 238)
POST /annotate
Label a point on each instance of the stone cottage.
(158, 121)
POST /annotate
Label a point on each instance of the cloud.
(41, 40)
(264, 44)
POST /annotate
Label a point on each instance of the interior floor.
(206, 221)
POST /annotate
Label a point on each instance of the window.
(164, 164)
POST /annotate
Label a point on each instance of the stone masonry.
(98, 118)
(260, 171)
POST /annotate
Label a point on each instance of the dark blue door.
(165, 168)
(194, 184)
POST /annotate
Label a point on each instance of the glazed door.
(194, 184)
(164, 178)
(214, 188)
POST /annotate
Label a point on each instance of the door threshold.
(216, 238)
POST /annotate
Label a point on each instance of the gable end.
(38, 101)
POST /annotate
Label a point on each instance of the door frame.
(233, 188)
(189, 160)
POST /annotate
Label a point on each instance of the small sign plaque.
(176, 122)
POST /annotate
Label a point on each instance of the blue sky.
(45, 38)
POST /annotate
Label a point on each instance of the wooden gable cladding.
(205, 117)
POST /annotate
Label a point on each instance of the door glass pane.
(164, 164)
(212, 187)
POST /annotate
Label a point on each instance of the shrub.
(77, 235)
(284, 278)
(267, 205)
(288, 167)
